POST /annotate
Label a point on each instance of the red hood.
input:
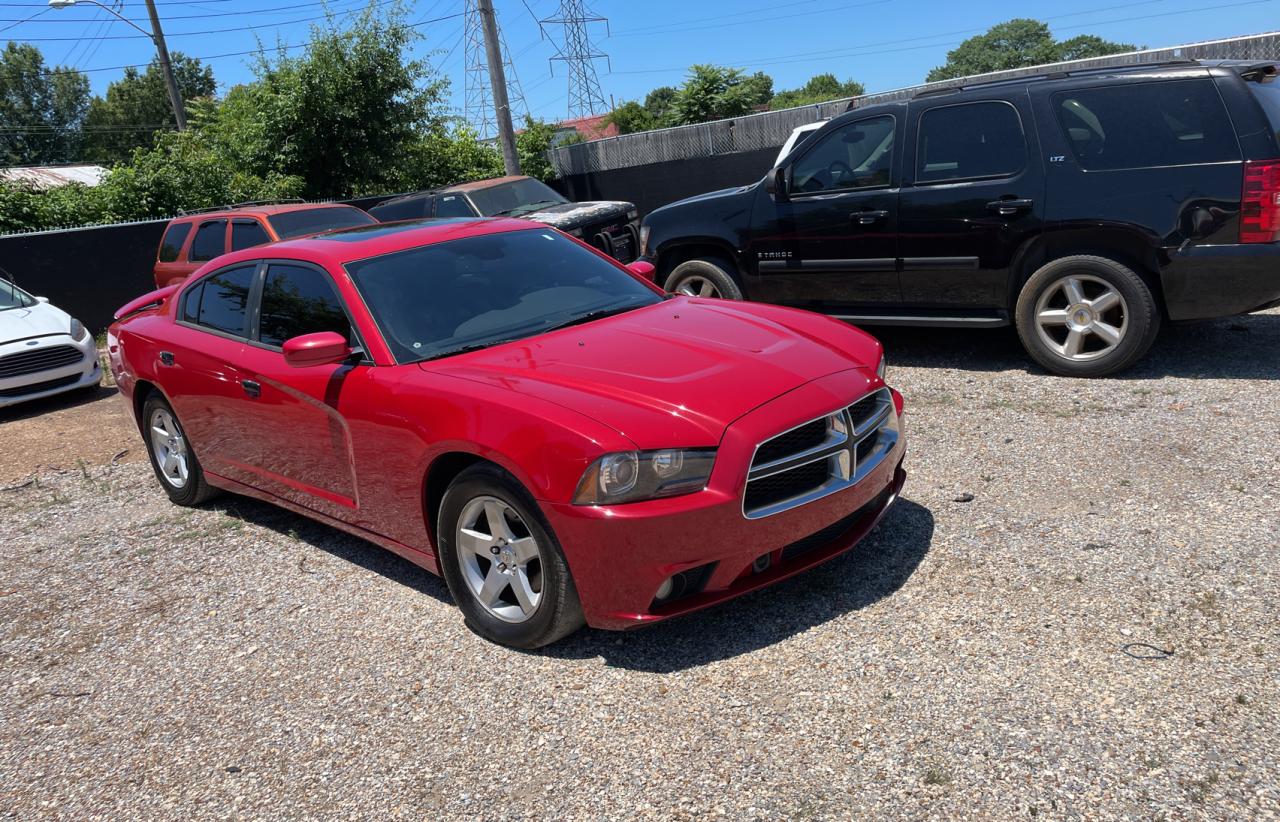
(674, 374)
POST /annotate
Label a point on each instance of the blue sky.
(883, 43)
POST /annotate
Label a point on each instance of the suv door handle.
(251, 388)
(868, 217)
(1007, 208)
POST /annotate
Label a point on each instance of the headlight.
(883, 367)
(644, 240)
(629, 476)
(78, 331)
(633, 215)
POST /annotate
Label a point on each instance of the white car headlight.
(629, 476)
(78, 331)
(883, 367)
(644, 240)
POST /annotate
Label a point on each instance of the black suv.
(1085, 207)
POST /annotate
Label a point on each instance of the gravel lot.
(992, 658)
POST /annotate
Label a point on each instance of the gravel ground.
(1091, 635)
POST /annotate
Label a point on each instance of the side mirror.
(643, 269)
(776, 184)
(321, 348)
(43, 300)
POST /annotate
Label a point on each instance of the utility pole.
(501, 108)
(175, 97)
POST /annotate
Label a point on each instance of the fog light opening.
(665, 590)
(762, 563)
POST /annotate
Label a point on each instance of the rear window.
(1268, 95)
(1147, 125)
(171, 245)
(453, 205)
(210, 241)
(314, 220)
(247, 234)
(409, 209)
(970, 141)
(223, 298)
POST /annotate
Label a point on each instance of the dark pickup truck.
(1085, 207)
(612, 227)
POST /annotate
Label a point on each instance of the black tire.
(717, 272)
(558, 612)
(1139, 316)
(195, 490)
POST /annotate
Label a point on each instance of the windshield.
(1269, 95)
(515, 198)
(314, 220)
(477, 291)
(13, 297)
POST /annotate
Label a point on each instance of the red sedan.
(504, 405)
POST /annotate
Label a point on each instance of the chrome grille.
(39, 359)
(820, 457)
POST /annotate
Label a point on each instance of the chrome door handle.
(166, 358)
(252, 388)
(868, 217)
(1007, 208)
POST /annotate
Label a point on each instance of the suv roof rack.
(1052, 75)
(282, 201)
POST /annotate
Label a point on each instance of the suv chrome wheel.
(500, 559)
(169, 447)
(1081, 317)
(696, 286)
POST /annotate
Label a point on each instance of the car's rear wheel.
(1087, 316)
(502, 563)
(172, 457)
(705, 277)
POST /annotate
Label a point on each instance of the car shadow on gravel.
(58, 402)
(871, 572)
(1245, 348)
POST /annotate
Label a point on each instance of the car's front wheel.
(502, 563)
(172, 458)
(1086, 316)
(704, 277)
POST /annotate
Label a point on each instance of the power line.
(169, 17)
(15, 24)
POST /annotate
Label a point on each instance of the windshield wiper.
(598, 314)
(463, 349)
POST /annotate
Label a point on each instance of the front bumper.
(619, 555)
(1208, 281)
(83, 372)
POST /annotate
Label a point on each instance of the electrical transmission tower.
(585, 97)
(478, 104)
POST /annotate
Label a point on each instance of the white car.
(43, 350)
(798, 136)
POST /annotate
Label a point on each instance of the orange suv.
(198, 236)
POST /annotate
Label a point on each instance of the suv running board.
(940, 321)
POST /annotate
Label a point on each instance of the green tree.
(1016, 44)
(448, 154)
(137, 105)
(41, 110)
(660, 103)
(820, 88)
(631, 117)
(532, 144)
(338, 115)
(714, 93)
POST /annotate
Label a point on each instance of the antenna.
(478, 100)
(585, 97)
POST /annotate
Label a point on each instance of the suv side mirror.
(776, 184)
(321, 348)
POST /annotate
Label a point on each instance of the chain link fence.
(770, 129)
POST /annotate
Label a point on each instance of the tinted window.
(968, 141)
(298, 300)
(453, 205)
(171, 245)
(513, 199)
(1146, 125)
(247, 234)
(314, 220)
(858, 155)
(191, 308)
(224, 297)
(431, 300)
(210, 241)
(1268, 95)
(409, 209)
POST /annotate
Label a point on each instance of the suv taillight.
(1260, 202)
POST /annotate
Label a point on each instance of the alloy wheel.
(169, 447)
(1081, 317)
(499, 558)
(696, 286)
